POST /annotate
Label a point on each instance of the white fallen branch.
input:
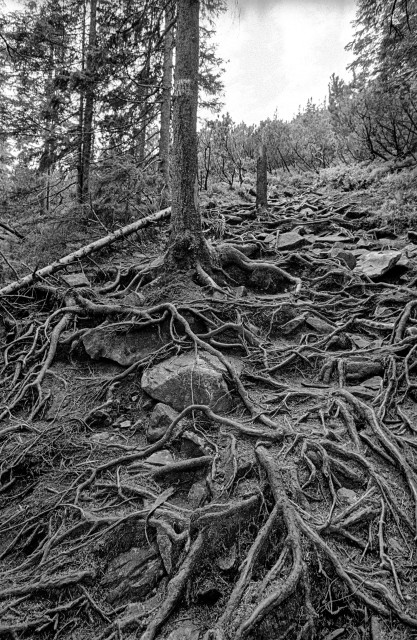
(84, 251)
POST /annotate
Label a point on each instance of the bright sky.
(281, 52)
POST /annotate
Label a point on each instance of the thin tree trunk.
(164, 137)
(187, 244)
(89, 103)
(262, 178)
(80, 174)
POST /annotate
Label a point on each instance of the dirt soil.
(293, 514)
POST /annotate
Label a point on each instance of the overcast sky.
(281, 52)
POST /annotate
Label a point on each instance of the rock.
(76, 279)
(410, 250)
(132, 575)
(186, 631)
(363, 243)
(160, 420)
(192, 445)
(240, 292)
(289, 240)
(403, 261)
(375, 264)
(395, 545)
(226, 561)
(133, 299)
(360, 342)
(162, 415)
(337, 237)
(161, 458)
(345, 256)
(270, 238)
(346, 496)
(102, 436)
(412, 235)
(198, 494)
(361, 369)
(378, 629)
(373, 383)
(319, 325)
(125, 424)
(123, 347)
(189, 379)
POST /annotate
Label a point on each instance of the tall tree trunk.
(89, 103)
(47, 158)
(262, 178)
(187, 243)
(164, 136)
(80, 174)
(143, 92)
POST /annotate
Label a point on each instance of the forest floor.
(286, 506)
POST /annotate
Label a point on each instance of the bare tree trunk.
(80, 174)
(187, 244)
(262, 178)
(143, 117)
(164, 137)
(89, 103)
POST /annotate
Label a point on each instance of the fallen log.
(85, 251)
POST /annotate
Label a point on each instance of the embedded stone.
(345, 256)
(346, 496)
(186, 631)
(76, 279)
(289, 240)
(319, 325)
(373, 383)
(333, 238)
(189, 379)
(161, 458)
(132, 575)
(375, 264)
(198, 494)
(123, 347)
(160, 420)
(162, 415)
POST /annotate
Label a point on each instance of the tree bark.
(187, 245)
(164, 136)
(89, 103)
(262, 178)
(80, 174)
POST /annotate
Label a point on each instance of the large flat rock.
(123, 347)
(289, 240)
(375, 264)
(189, 379)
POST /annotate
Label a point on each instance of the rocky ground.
(237, 459)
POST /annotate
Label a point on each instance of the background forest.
(85, 103)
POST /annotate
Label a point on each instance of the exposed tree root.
(292, 516)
